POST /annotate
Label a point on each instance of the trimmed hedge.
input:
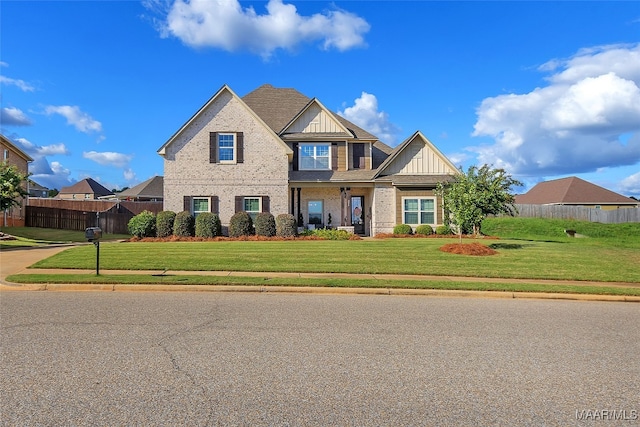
(265, 224)
(424, 229)
(331, 234)
(241, 224)
(208, 225)
(402, 229)
(286, 225)
(164, 223)
(183, 225)
(443, 230)
(142, 225)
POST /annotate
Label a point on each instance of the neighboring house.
(87, 189)
(276, 150)
(574, 191)
(13, 155)
(37, 190)
(149, 191)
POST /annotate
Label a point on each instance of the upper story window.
(6, 154)
(227, 147)
(315, 156)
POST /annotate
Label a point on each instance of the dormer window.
(315, 156)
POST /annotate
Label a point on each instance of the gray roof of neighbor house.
(153, 188)
(86, 186)
(572, 191)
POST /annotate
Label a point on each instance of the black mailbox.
(93, 233)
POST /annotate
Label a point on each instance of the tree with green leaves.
(12, 188)
(474, 195)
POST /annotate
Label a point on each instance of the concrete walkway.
(16, 261)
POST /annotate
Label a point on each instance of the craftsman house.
(276, 150)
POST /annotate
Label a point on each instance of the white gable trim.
(223, 89)
(317, 103)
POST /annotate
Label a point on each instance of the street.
(204, 359)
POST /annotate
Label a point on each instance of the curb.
(318, 291)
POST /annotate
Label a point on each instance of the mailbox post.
(94, 234)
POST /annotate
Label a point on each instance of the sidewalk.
(17, 261)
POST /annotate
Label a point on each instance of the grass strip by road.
(145, 279)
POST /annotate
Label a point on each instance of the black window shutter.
(240, 147)
(213, 147)
(239, 204)
(334, 156)
(265, 204)
(215, 205)
(187, 203)
(295, 156)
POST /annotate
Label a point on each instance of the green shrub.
(208, 225)
(443, 230)
(331, 234)
(286, 225)
(143, 225)
(240, 224)
(265, 224)
(424, 229)
(164, 223)
(402, 229)
(183, 226)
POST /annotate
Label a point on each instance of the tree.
(12, 188)
(53, 192)
(475, 194)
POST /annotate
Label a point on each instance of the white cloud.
(365, 114)
(585, 118)
(108, 158)
(21, 84)
(57, 176)
(631, 185)
(10, 116)
(129, 175)
(225, 24)
(75, 117)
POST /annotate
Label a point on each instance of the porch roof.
(415, 180)
(355, 175)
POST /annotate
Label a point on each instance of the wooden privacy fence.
(580, 213)
(113, 220)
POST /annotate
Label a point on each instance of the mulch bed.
(476, 249)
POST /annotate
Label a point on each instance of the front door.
(357, 214)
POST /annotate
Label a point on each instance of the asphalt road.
(199, 359)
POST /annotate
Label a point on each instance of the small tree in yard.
(475, 194)
(11, 186)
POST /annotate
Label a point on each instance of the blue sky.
(542, 89)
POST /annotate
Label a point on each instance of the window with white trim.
(226, 147)
(200, 205)
(253, 206)
(315, 156)
(419, 210)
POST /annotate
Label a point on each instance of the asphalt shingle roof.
(86, 186)
(571, 191)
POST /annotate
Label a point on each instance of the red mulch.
(476, 249)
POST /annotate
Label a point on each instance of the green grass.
(34, 236)
(527, 249)
(133, 279)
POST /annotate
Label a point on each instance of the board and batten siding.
(419, 159)
(315, 120)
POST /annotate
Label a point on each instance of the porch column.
(298, 216)
(292, 209)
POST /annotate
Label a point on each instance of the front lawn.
(564, 258)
